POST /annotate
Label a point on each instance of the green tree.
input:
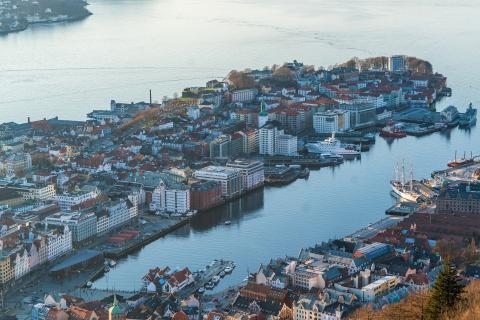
(446, 292)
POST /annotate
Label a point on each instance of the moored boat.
(460, 162)
(331, 145)
(392, 131)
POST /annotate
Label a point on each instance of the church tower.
(263, 115)
(115, 312)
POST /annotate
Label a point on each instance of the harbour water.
(130, 46)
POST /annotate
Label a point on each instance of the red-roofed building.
(178, 281)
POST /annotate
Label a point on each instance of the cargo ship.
(469, 118)
(460, 162)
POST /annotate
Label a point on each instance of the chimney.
(150, 96)
(28, 119)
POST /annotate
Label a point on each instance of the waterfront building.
(82, 224)
(462, 199)
(331, 121)
(175, 198)
(287, 145)
(251, 171)
(178, 280)
(7, 270)
(361, 115)
(397, 63)
(229, 178)
(244, 95)
(118, 213)
(102, 221)
(205, 194)
(22, 266)
(59, 242)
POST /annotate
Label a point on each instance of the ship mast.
(411, 179)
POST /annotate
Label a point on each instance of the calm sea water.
(130, 46)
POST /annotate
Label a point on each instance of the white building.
(67, 200)
(245, 95)
(18, 163)
(31, 191)
(83, 225)
(330, 121)
(378, 288)
(118, 214)
(193, 112)
(307, 308)
(286, 145)
(22, 265)
(174, 198)
(229, 178)
(59, 242)
(252, 173)
(268, 137)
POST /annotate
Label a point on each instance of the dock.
(203, 277)
(120, 251)
(308, 161)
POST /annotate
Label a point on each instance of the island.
(17, 15)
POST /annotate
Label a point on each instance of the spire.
(262, 108)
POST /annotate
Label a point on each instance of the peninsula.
(17, 15)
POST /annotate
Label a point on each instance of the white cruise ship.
(330, 146)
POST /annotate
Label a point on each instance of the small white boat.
(228, 222)
(89, 284)
(112, 263)
(106, 269)
(209, 285)
(222, 274)
(201, 290)
(228, 270)
(216, 279)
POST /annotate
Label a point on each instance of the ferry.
(331, 146)
(469, 118)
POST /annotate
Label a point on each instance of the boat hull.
(403, 194)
